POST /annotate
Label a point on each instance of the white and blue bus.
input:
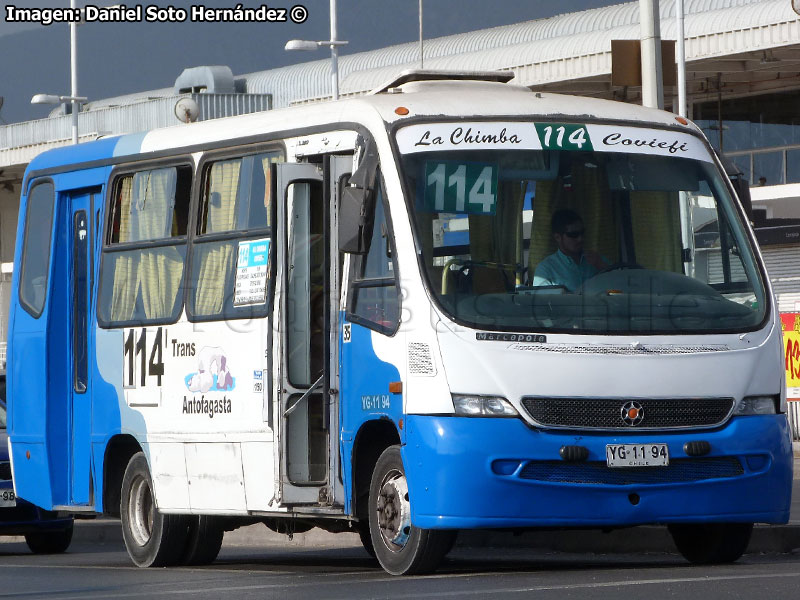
(335, 315)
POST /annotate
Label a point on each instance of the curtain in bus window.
(222, 193)
(215, 259)
(655, 218)
(124, 208)
(266, 161)
(495, 241)
(153, 204)
(126, 283)
(541, 243)
(161, 270)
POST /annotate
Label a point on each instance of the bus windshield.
(577, 240)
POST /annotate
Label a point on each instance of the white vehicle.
(356, 315)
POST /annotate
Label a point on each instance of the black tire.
(366, 538)
(711, 543)
(400, 548)
(152, 539)
(203, 541)
(49, 542)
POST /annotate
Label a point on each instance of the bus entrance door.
(79, 417)
(303, 252)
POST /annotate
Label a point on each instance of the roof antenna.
(421, 59)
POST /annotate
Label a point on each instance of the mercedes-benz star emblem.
(632, 413)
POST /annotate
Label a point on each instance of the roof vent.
(210, 80)
(434, 75)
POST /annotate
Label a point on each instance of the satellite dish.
(187, 110)
(796, 6)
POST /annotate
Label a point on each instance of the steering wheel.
(617, 266)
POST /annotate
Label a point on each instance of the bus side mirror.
(355, 220)
(357, 204)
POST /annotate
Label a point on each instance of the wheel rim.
(141, 511)
(394, 511)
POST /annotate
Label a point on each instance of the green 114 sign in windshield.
(460, 187)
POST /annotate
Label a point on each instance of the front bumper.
(500, 473)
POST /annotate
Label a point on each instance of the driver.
(570, 265)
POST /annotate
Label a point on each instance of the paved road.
(255, 564)
(91, 572)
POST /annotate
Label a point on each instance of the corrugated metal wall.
(783, 266)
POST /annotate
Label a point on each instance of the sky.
(135, 56)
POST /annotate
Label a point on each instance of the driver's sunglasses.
(574, 234)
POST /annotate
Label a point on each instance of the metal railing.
(748, 160)
(147, 114)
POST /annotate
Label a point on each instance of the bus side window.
(143, 258)
(374, 298)
(36, 248)
(233, 232)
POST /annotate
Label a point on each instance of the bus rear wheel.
(203, 541)
(711, 543)
(400, 548)
(152, 539)
(49, 542)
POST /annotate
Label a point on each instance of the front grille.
(678, 470)
(604, 413)
(5, 471)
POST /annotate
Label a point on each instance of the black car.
(45, 532)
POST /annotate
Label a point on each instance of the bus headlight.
(757, 405)
(483, 406)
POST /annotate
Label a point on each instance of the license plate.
(637, 455)
(7, 498)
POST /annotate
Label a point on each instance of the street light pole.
(334, 45)
(652, 83)
(334, 53)
(73, 60)
(681, 58)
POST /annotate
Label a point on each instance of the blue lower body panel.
(496, 473)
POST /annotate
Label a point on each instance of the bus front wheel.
(711, 543)
(401, 548)
(152, 539)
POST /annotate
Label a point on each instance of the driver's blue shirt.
(560, 269)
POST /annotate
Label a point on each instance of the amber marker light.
(396, 387)
(401, 110)
(682, 121)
